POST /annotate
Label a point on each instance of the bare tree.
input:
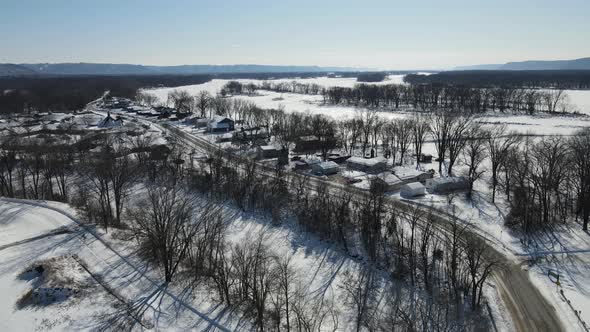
(181, 100)
(479, 266)
(420, 128)
(499, 143)
(474, 155)
(579, 146)
(460, 125)
(164, 223)
(202, 102)
(440, 127)
(404, 137)
(360, 290)
(553, 98)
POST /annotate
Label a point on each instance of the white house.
(413, 189)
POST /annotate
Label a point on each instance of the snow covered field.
(539, 124)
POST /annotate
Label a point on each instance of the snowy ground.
(113, 260)
(566, 250)
(540, 124)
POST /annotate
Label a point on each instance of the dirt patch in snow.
(57, 280)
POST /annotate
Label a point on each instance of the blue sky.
(378, 34)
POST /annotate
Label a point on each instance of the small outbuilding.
(413, 189)
(325, 168)
(445, 185)
(367, 165)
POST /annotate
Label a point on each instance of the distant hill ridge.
(130, 69)
(576, 64)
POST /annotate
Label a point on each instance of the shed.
(371, 165)
(220, 123)
(448, 184)
(267, 151)
(413, 189)
(325, 168)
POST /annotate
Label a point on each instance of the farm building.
(448, 184)
(372, 165)
(267, 151)
(220, 123)
(325, 168)
(413, 189)
(408, 175)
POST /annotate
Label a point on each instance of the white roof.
(366, 162)
(388, 178)
(267, 147)
(450, 179)
(406, 173)
(219, 118)
(311, 161)
(327, 165)
(413, 186)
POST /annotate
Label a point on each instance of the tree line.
(428, 97)
(560, 79)
(69, 93)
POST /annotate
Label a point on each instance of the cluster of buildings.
(361, 170)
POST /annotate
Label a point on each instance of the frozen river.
(562, 125)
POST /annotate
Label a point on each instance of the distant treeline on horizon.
(563, 79)
(73, 92)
